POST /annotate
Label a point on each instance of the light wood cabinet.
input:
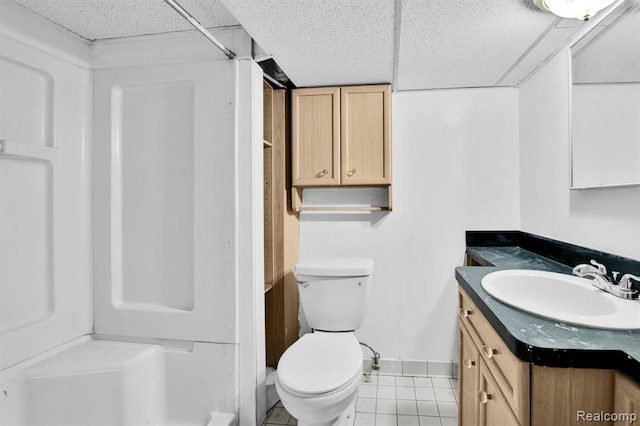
(316, 136)
(497, 388)
(558, 395)
(626, 400)
(502, 375)
(469, 378)
(280, 230)
(341, 136)
(493, 407)
(365, 135)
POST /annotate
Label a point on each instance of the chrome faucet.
(597, 272)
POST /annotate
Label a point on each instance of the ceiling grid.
(414, 44)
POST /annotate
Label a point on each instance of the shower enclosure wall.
(130, 224)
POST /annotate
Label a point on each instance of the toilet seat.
(320, 363)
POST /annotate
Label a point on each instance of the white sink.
(565, 298)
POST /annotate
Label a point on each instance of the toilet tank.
(334, 292)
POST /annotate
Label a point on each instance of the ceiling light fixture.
(579, 9)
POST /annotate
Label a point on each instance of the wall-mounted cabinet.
(341, 136)
(315, 136)
(365, 135)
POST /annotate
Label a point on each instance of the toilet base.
(347, 418)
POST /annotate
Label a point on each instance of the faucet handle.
(583, 269)
(601, 268)
(625, 281)
(615, 274)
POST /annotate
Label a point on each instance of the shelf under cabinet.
(342, 199)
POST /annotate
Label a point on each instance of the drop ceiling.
(414, 44)
(104, 19)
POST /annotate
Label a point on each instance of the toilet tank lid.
(335, 266)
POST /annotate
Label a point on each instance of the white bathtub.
(95, 382)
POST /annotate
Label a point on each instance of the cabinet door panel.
(468, 378)
(494, 408)
(511, 374)
(627, 400)
(366, 135)
(316, 136)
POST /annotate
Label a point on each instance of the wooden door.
(493, 406)
(366, 135)
(316, 136)
(468, 378)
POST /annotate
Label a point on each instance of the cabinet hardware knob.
(483, 397)
(468, 363)
(464, 313)
(488, 352)
(323, 173)
(351, 172)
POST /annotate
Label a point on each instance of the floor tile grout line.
(403, 383)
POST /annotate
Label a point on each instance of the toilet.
(319, 375)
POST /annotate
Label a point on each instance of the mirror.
(605, 102)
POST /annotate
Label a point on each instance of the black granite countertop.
(542, 341)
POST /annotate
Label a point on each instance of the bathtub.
(98, 382)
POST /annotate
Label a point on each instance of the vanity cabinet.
(468, 378)
(497, 388)
(494, 383)
(558, 395)
(493, 407)
(341, 136)
(626, 398)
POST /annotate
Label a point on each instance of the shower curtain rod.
(198, 26)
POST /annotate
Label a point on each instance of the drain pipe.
(375, 358)
(198, 26)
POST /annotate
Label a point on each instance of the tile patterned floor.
(396, 401)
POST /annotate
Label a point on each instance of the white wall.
(455, 167)
(602, 219)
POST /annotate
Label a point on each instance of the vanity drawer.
(511, 374)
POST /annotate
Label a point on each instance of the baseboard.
(420, 368)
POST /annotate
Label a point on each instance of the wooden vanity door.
(468, 378)
(493, 407)
(627, 399)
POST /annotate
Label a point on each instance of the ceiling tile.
(464, 43)
(553, 41)
(103, 19)
(323, 43)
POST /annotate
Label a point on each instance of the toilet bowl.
(318, 378)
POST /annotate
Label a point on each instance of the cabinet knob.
(351, 172)
(483, 397)
(464, 313)
(488, 352)
(468, 363)
(323, 173)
